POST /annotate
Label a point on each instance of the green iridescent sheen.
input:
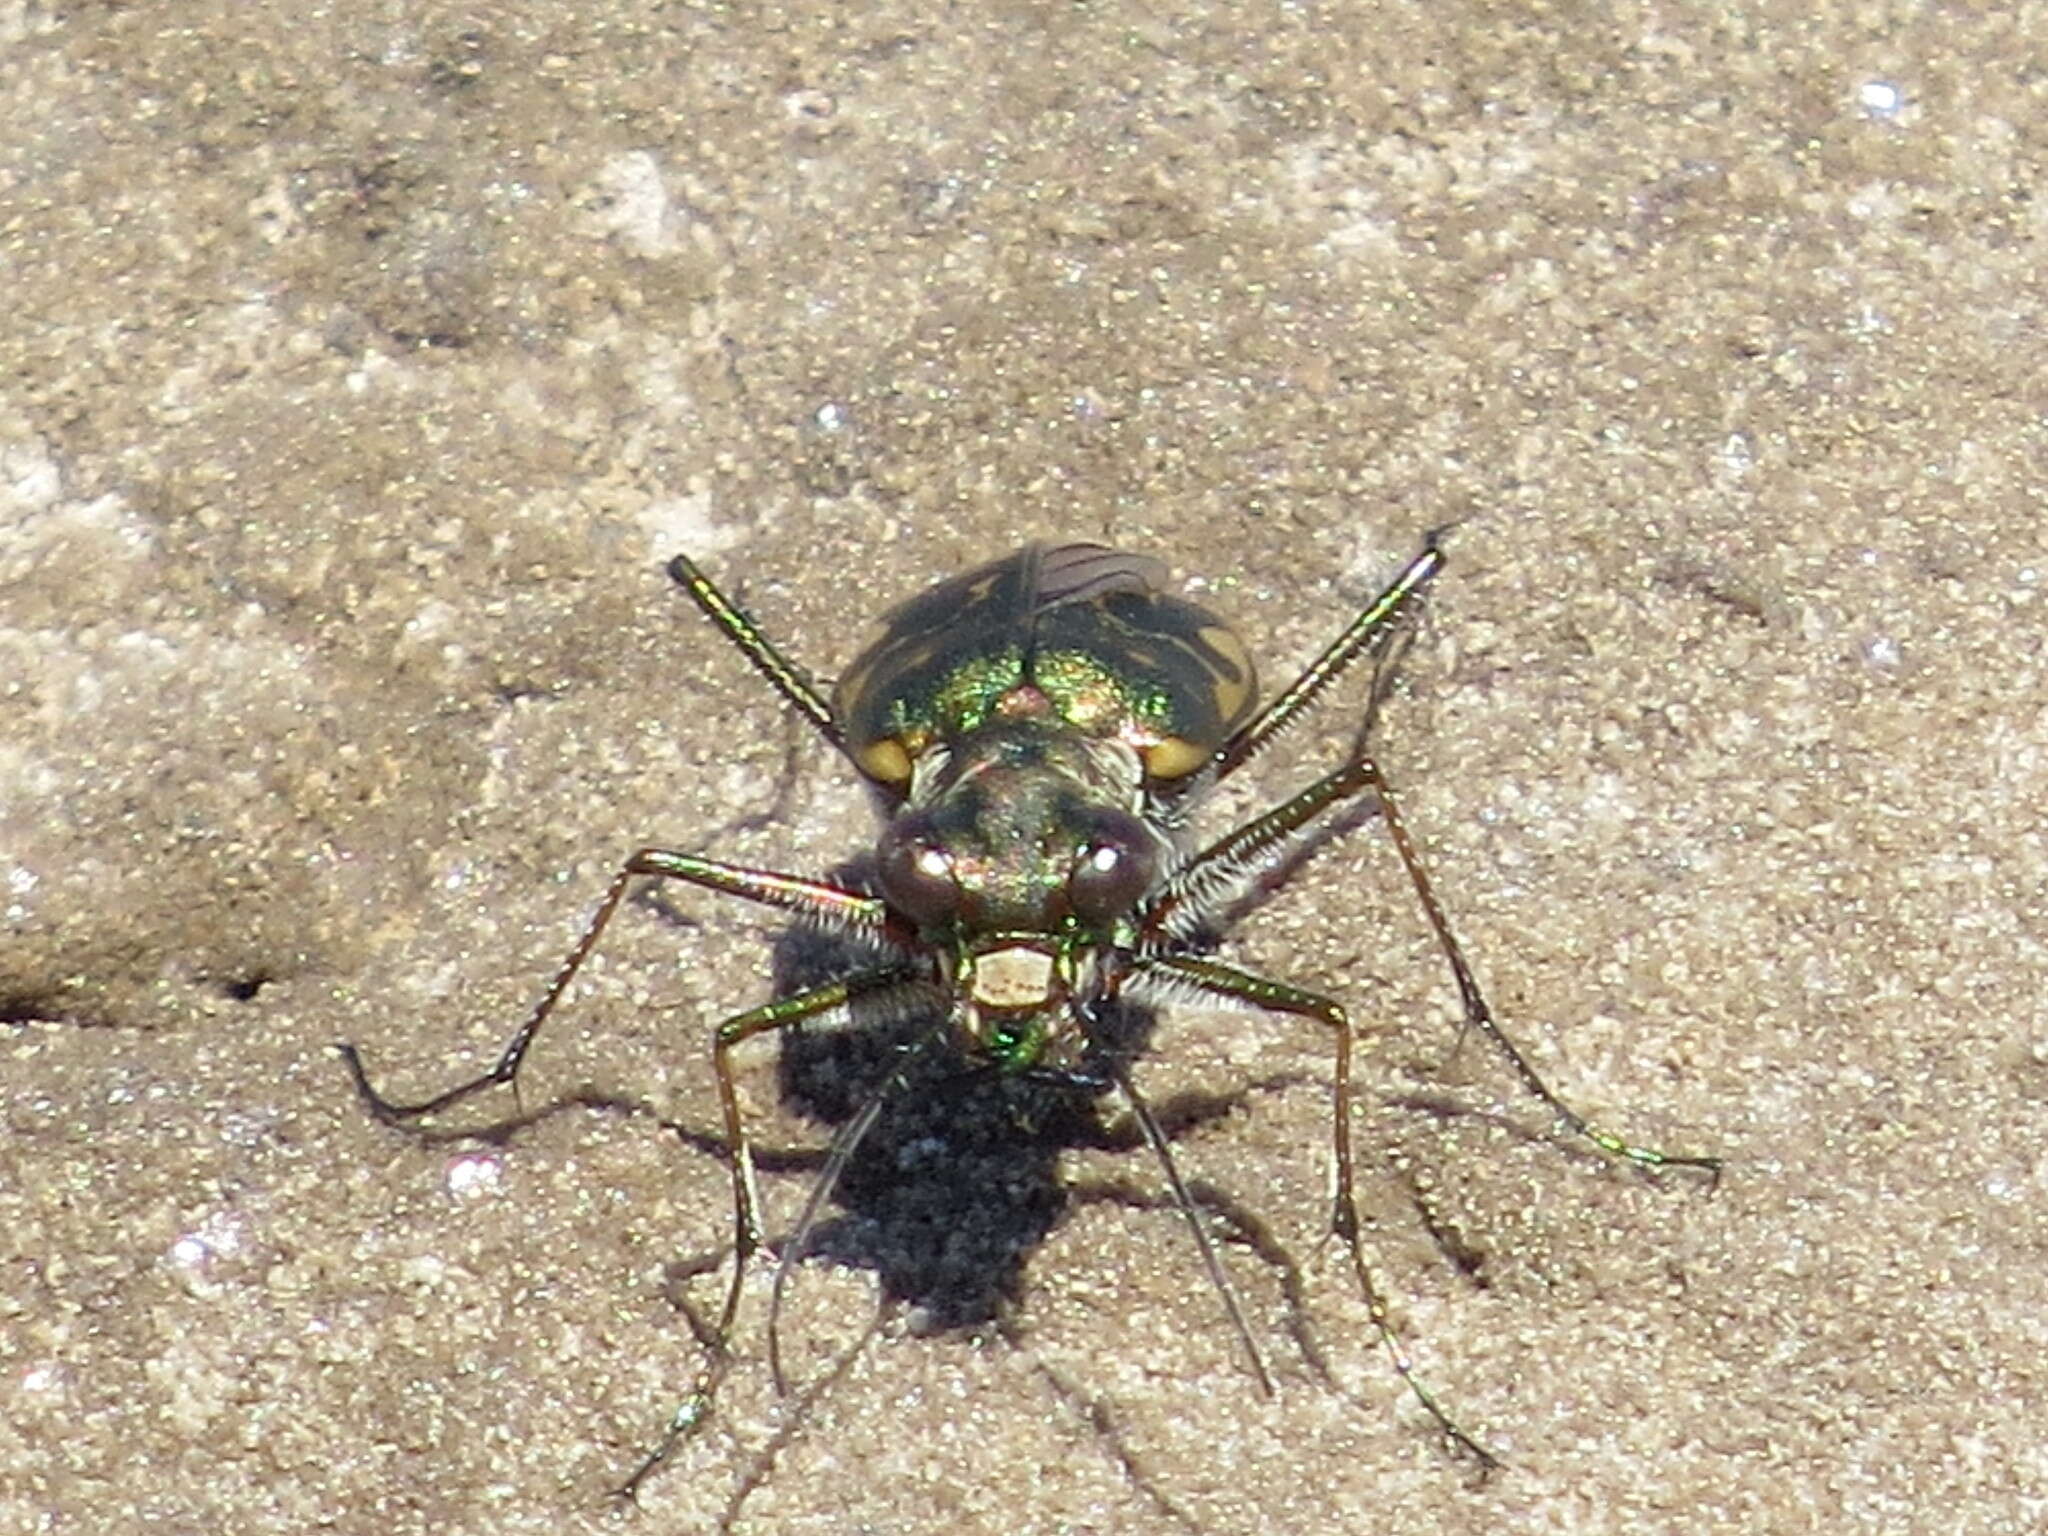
(1075, 636)
(1092, 696)
(961, 701)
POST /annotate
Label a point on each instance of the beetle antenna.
(1155, 1138)
(844, 1145)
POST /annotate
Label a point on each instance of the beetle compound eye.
(917, 874)
(1114, 871)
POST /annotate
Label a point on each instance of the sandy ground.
(362, 363)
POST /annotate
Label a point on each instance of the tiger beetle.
(1039, 730)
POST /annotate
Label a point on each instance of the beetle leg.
(849, 910)
(746, 1195)
(1479, 1016)
(1220, 871)
(1363, 633)
(1183, 973)
(790, 680)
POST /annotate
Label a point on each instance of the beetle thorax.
(1017, 819)
(1023, 855)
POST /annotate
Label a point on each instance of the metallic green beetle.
(1035, 716)
(1040, 729)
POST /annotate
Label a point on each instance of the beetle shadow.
(957, 1182)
